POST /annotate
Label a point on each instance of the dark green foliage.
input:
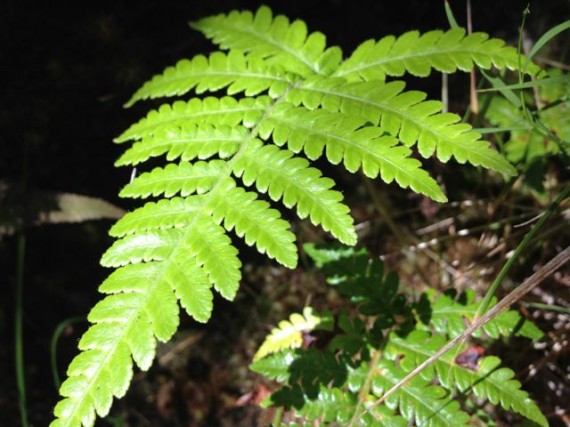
(374, 351)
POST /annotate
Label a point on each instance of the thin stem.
(53, 347)
(18, 329)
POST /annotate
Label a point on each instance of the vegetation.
(242, 162)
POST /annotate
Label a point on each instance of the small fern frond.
(291, 180)
(125, 326)
(347, 140)
(284, 43)
(186, 142)
(448, 315)
(419, 54)
(405, 115)
(226, 111)
(289, 333)
(487, 382)
(240, 73)
(418, 400)
(167, 213)
(216, 255)
(333, 406)
(153, 245)
(184, 178)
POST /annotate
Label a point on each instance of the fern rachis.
(294, 92)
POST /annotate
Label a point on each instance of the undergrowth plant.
(537, 126)
(281, 100)
(337, 382)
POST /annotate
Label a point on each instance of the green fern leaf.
(226, 111)
(155, 245)
(216, 255)
(334, 406)
(404, 115)
(419, 54)
(257, 223)
(125, 326)
(290, 180)
(183, 178)
(284, 43)
(239, 72)
(488, 381)
(448, 317)
(426, 404)
(166, 213)
(289, 333)
(347, 140)
(187, 142)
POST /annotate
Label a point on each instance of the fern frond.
(291, 180)
(284, 43)
(347, 139)
(187, 142)
(177, 251)
(526, 144)
(125, 325)
(216, 255)
(167, 213)
(417, 400)
(333, 406)
(419, 54)
(153, 245)
(240, 73)
(448, 317)
(226, 111)
(487, 382)
(289, 333)
(257, 223)
(405, 115)
(183, 178)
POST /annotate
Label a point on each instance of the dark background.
(66, 68)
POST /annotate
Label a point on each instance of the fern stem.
(366, 387)
(18, 329)
(522, 245)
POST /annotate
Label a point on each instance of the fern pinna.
(290, 100)
(335, 383)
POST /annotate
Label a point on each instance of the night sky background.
(66, 70)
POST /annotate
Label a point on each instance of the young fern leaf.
(226, 111)
(275, 38)
(289, 333)
(418, 400)
(448, 316)
(250, 74)
(404, 115)
(186, 142)
(177, 249)
(419, 54)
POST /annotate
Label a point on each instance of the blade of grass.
(527, 85)
(18, 329)
(545, 38)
